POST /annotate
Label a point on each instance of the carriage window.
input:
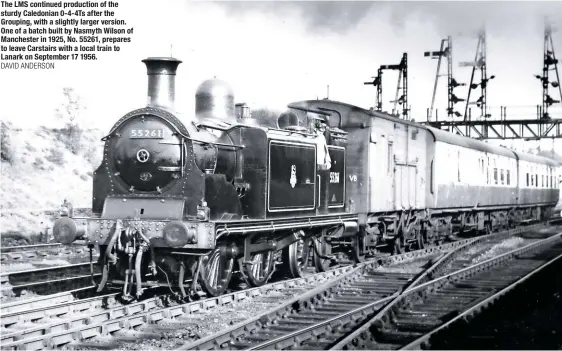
(390, 157)
(507, 175)
(501, 176)
(542, 180)
(495, 176)
(532, 180)
(431, 177)
(536, 180)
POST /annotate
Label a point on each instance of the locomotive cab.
(330, 152)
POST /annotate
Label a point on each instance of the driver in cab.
(323, 156)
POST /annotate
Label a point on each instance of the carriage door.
(405, 189)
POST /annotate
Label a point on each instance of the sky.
(272, 53)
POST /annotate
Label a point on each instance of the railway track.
(42, 301)
(362, 287)
(513, 318)
(418, 312)
(76, 326)
(33, 254)
(297, 324)
(482, 249)
(47, 280)
(21, 331)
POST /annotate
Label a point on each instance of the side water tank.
(214, 99)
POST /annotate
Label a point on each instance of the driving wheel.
(260, 267)
(296, 257)
(215, 272)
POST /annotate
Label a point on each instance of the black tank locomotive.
(186, 202)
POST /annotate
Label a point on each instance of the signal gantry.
(550, 64)
(485, 127)
(401, 97)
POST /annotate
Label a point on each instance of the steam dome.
(287, 119)
(215, 99)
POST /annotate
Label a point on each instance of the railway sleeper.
(389, 275)
(299, 318)
(453, 300)
(94, 345)
(315, 345)
(324, 314)
(351, 302)
(240, 345)
(377, 282)
(419, 324)
(356, 297)
(367, 289)
(289, 328)
(381, 290)
(450, 290)
(332, 307)
(396, 336)
(429, 310)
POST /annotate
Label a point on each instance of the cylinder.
(161, 73)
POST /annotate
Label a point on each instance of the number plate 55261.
(146, 134)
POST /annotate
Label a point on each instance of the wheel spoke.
(216, 271)
(295, 257)
(325, 249)
(260, 267)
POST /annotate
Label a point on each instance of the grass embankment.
(40, 167)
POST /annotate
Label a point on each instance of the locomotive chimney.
(161, 81)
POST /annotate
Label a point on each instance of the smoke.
(319, 15)
(449, 18)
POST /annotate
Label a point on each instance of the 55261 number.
(146, 134)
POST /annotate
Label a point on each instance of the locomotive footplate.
(187, 256)
(160, 233)
(143, 253)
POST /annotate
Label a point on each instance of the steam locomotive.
(186, 202)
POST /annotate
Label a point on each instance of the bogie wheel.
(357, 245)
(397, 247)
(420, 241)
(296, 257)
(215, 272)
(259, 269)
(488, 228)
(324, 248)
